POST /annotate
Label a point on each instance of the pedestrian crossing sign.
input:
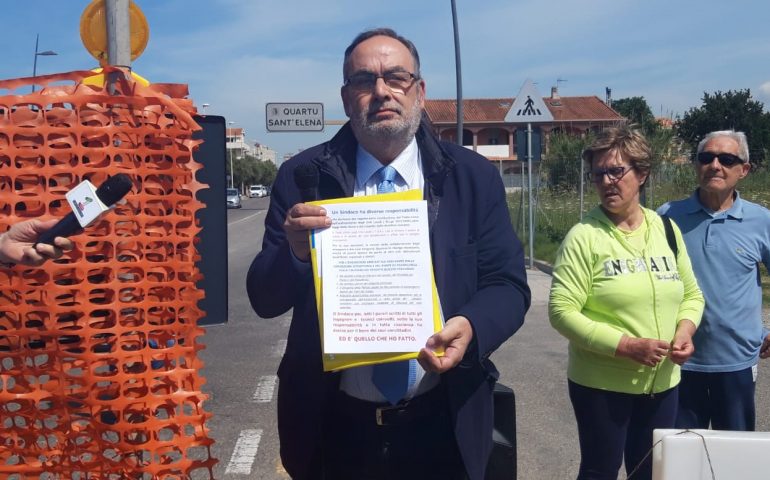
(529, 106)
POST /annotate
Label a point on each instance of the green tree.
(562, 162)
(250, 171)
(666, 147)
(266, 172)
(637, 111)
(735, 110)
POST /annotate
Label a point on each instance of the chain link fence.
(561, 195)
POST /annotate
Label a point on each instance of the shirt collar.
(406, 164)
(735, 210)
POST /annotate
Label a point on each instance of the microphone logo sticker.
(81, 206)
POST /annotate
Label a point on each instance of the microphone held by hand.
(109, 192)
(306, 179)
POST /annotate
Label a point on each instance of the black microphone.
(109, 192)
(306, 179)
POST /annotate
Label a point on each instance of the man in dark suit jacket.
(338, 425)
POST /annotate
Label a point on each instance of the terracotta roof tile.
(474, 110)
(564, 109)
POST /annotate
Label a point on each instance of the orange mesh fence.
(99, 367)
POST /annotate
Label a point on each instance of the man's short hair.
(382, 32)
(739, 137)
(626, 140)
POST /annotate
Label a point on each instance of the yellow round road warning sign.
(93, 29)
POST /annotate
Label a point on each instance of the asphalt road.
(242, 357)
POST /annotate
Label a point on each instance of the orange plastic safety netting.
(99, 367)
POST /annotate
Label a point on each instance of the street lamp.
(46, 53)
(230, 151)
(458, 77)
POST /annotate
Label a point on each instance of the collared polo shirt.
(725, 249)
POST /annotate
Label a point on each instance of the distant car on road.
(258, 191)
(233, 198)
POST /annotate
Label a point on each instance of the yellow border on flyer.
(341, 361)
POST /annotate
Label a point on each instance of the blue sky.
(238, 55)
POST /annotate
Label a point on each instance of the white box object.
(681, 455)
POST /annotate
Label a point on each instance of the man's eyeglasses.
(726, 159)
(613, 173)
(397, 82)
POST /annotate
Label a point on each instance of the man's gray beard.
(397, 133)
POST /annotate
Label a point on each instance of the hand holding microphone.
(17, 245)
(302, 217)
(89, 209)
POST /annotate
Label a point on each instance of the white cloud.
(764, 90)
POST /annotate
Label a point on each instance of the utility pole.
(529, 204)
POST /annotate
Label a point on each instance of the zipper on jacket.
(654, 305)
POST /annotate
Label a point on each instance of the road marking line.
(245, 218)
(244, 452)
(279, 348)
(265, 388)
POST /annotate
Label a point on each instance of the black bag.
(502, 462)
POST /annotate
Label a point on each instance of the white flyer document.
(377, 287)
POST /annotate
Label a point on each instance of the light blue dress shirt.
(357, 381)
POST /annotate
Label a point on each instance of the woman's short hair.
(628, 141)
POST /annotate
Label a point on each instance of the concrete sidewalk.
(534, 364)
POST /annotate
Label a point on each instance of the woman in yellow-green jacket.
(629, 308)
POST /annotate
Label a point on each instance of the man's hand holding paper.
(453, 340)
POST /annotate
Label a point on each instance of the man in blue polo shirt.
(726, 238)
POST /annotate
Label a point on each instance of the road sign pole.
(118, 38)
(529, 107)
(529, 204)
(118, 33)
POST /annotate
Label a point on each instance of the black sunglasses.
(726, 159)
